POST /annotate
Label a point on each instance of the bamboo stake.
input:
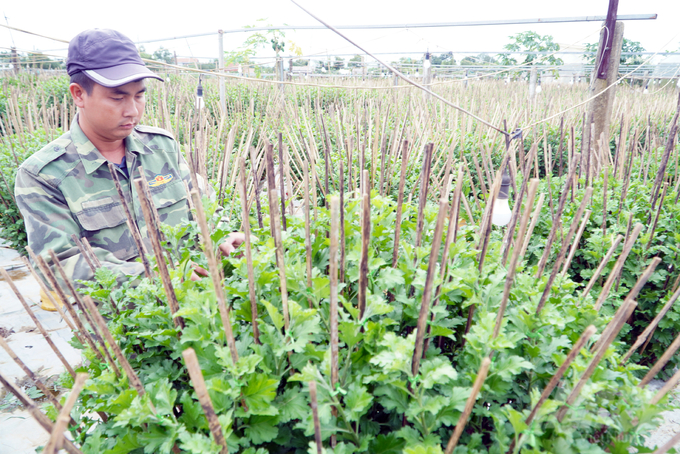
(479, 382)
(631, 305)
(668, 386)
(90, 251)
(669, 444)
(215, 275)
(248, 252)
(552, 384)
(256, 183)
(577, 239)
(34, 410)
(308, 232)
(333, 317)
(47, 292)
(533, 187)
(424, 314)
(558, 214)
(627, 247)
(37, 323)
(601, 266)
(276, 228)
(282, 183)
(84, 335)
(534, 220)
(133, 379)
(342, 225)
(363, 261)
(64, 418)
(204, 398)
(670, 351)
(315, 416)
(424, 185)
(400, 202)
(152, 229)
(563, 250)
(632, 295)
(34, 378)
(651, 327)
(134, 231)
(656, 218)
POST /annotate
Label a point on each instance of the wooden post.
(245, 222)
(607, 68)
(57, 437)
(204, 398)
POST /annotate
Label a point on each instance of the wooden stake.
(603, 263)
(315, 416)
(57, 437)
(589, 331)
(558, 214)
(563, 250)
(533, 187)
(400, 202)
(153, 230)
(282, 183)
(651, 327)
(134, 231)
(342, 225)
(424, 185)
(668, 386)
(630, 307)
(333, 275)
(34, 410)
(574, 245)
(656, 218)
(667, 355)
(276, 228)
(245, 215)
(479, 382)
(669, 444)
(89, 319)
(424, 314)
(39, 325)
(627, 247)
(363, 261)
(534, 220)
(215, 275)
(204, 398)
(133, 379)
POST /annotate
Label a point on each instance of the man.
(66, 188)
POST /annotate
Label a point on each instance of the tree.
(258, 40)
(628, 46)
(443, 59)
(354, 62)
(481, 59)
(338, 63)
(144, 54)
(530, 42)
(164, 55)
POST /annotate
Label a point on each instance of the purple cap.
(106, 56)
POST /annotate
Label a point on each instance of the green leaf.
(259, 393)
(357, 401)
(261, 429)
(274, 314)
(436, 371)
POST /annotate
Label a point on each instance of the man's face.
(110, 114)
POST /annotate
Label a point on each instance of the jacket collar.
(91, 158)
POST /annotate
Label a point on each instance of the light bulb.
(538, 89)
(427, 64)
(646, 92)
(501, 212)
(199, 95)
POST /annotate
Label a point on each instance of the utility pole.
(220, 42)
(16, 66)
(532, 83)
(427, 74)
(605, 73)
(363, 68)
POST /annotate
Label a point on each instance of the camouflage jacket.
(66, 188)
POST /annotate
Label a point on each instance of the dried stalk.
(631, 305)
(479, 381)
(577, 239)
(39, 325)
(204, 398)
(34, 409)
(315, 416)
(400, 202)
(363, 261)
(423, 316)
(534, 220)
(333, 313)
(276, 229)
(601, 266)
(245, 222)
(215, 275)
(627, 247)
(64, 418)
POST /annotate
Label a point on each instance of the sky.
(143, 20)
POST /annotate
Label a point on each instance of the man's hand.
(233, 241)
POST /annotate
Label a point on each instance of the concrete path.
(19, 433)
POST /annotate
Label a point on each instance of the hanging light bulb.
(538, 86)
(646, 91)
(501, 208)
(199, 95)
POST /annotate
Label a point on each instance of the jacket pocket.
(101, 214)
